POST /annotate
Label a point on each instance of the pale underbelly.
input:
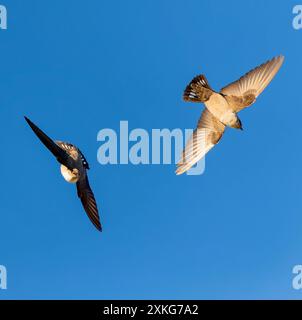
(71, 177)
(220, 109)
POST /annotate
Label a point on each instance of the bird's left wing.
(249, 87)
(207, 134)
(61, 155)
(88, 201)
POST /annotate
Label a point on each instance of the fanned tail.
(198, 90)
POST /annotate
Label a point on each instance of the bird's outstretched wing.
(208, 133)
(61, 155)
(88, 201)
(249, 87)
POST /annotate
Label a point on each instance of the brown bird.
(74, 170)
(222, 108)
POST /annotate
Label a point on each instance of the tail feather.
(198, 90)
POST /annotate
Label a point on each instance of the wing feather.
(254, 82)
(88, 201)
(207, 134)
(61, 155)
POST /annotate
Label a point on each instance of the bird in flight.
(221, 108)
(74, 170)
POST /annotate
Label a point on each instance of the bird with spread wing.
(221, 108)
(74, 170)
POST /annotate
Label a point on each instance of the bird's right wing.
(88, 201)
(208, 133)
(61, 155)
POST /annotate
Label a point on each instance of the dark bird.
(222, 108)
(74, 170)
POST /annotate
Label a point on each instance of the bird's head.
(238, 124)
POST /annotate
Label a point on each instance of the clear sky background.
(75, 67)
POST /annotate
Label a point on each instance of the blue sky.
(234, 232)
